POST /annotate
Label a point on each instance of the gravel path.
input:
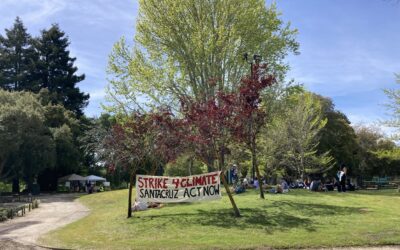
(54, 211)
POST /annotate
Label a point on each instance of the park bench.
(381, 183)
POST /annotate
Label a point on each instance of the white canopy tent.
(71, 177)
(94, 178)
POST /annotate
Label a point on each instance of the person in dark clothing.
(337, 181)
(329, 185)
(342, 179)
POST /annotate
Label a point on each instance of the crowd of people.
(340, 182)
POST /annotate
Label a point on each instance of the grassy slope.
(297, 219)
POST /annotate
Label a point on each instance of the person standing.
(337, 180)
(342, 179)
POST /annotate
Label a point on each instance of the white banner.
(165, 189)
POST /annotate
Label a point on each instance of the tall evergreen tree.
(16, 58)
(56, 70)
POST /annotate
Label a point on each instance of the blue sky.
(349, 49)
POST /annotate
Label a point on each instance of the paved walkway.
(54, 211)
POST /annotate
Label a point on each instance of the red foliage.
(205, 128)
(226, 116)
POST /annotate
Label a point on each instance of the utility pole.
(255, 60)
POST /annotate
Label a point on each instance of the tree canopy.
(32, 64)
(194, 48)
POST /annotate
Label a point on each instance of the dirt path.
(54, 211)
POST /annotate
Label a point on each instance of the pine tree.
(17, 59)
(56, 70)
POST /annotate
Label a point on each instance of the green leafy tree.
(28, 144)
(65, 129)
(338, 136)
(194, 48)
(184, 166)
(394, 106)
(378, 154)
(292, 140)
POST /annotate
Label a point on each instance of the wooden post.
(235, 208)
(130, 194)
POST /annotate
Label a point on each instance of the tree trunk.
(221, 164)
(235, 208)
(15, 185)
(132, 176)
(255, 166)
(2, 163)
(190, 165)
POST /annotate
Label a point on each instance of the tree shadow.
(278, 216)
(311, 209)
(254, 218)
(387, 192)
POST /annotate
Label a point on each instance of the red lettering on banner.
(146, 185)
(208, 179)
(151, 183)
(165, 183)
(175, 182)
(140, 182)
(183, 182)
(190, 182)
(214, 179)
(197, 180)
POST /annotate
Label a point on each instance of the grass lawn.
(298, 219)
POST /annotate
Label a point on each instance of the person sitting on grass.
(279, 189)
(285, 186)
(256, 183)
(245, 182)
(141, 205)
(239, 188)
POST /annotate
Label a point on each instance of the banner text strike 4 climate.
(164, 189)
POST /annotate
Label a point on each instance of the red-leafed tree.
(208, 129)
(249, 116)
(129, 145)
(142, 138)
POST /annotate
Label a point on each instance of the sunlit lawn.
(297, 219)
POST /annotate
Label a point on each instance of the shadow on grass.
(386, 192)
(382, 192)
(254, 218)
(278, 216)
(310, 209)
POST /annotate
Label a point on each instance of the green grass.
(295, 220)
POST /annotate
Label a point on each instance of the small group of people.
(91, 187)
(281, 188)
(313, 183)
(340, 182)
(241, 185)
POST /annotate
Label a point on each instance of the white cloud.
(97, 94)
(31, 11)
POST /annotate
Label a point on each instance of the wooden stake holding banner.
(131, 178)
(228, 191)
